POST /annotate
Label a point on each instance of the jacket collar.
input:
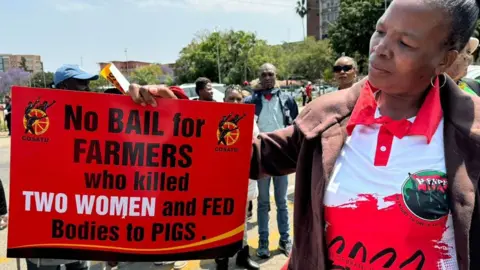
(426, 122)
(461, 142)
(332, 108)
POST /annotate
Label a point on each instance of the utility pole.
(126, 61)
(218, 57)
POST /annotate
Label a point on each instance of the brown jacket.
(311, 147)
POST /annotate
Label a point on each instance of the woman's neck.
(399, 107)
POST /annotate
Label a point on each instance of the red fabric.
(268, 96)
(285, 266)
(426, 122)
(178, 92)
(308, 90)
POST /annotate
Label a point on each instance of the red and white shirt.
(386, 205)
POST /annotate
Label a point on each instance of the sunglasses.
(338, 69)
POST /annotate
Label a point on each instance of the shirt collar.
(426, 122)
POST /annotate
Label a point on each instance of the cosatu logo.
(35, 119)
(228, 132)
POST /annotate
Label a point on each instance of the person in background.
(308, 92)
(245, 94)
(274, 110)
(458, 70)
(204, 90)
(72, 77)
(345, 72)
(8, 113)
(69, 77)
(3, 208)
(304, 96)
(233, 94)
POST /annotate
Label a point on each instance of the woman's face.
(459, 68)
(407, 49)
(344, 71)
(234, 97)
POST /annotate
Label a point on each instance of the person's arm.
(275, 153)
(293, 108)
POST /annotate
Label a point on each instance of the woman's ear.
(447, 61)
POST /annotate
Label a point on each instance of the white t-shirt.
(385, 217)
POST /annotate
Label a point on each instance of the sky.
(92, 31)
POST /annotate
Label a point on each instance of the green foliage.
(328, 75)
(310, 58)
(42, 79)
(147, 75)
(99, 85)
(23, 64)
(354, 27)
(242, 53)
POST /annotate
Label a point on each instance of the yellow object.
(113, 75)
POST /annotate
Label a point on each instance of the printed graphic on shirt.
(408, 230)
(425, 194)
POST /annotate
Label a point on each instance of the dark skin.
(234, 97)
(406, 51)
(206, 94)
(268, 75)
(75, 84)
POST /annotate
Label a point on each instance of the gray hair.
(348, 58)
(267, 66)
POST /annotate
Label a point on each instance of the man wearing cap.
(458, 70)
(72, 77)
(69, 77)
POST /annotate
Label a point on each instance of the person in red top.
(308, 90)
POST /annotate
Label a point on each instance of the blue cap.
(72, 71)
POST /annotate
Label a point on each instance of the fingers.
(134, 92)
(144, 95)
(147, 96)
(162, 91)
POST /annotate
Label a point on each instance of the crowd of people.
(361, 154)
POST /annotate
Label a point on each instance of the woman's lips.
(376, 69)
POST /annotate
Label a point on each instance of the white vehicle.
(473, 72)
(218, 91)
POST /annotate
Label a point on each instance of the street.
(274, 263)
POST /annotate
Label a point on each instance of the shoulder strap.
(473, 84)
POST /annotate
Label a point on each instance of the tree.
(351, 33)
(42, 79)
(302, 11)
(147, 75)
(241, 54)
(14, 76)
(311, 58)
(23, 64)
(99, 85)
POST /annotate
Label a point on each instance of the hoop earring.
(432, 83)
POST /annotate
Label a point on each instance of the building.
(321, 14)
(33, 62)
(126, 67)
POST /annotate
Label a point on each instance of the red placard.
(97, 177)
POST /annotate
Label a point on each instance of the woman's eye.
(405, 44)
(380, 32)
